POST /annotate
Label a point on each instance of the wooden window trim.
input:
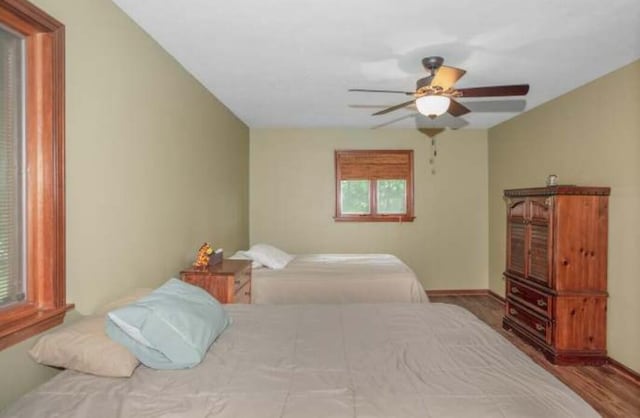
(374, 216)
(45, 305)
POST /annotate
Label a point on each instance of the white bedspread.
(376, 360)
(338, 278)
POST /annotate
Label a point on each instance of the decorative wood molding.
(559, 190)
(18, 331)
(496, 296)
(457, 292)
(45, 304)
(374, 218)
(465, 292)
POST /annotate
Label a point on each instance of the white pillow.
(270, 256)
(242, 255)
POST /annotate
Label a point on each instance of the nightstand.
(228, 281)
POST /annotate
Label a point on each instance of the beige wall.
(590, 136)
(292, 200)
(155, 166)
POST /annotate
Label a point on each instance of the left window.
(32, 223)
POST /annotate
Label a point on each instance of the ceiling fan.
(436, 95)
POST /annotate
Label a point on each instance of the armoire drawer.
(534, 324)
(535, 299)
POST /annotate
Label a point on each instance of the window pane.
(392, 196)
(354, 197)
(11, 166)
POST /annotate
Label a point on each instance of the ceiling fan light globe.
(432, 106)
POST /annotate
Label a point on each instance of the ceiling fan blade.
(408, 93)
(446, 77)
(392, 108)
(494, 91)
(457, 109)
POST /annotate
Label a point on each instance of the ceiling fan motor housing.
(431, 64)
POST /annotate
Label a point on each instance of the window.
(11, 168)
(374, 185)
(32, 233)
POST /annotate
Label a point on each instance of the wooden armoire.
(556, 271)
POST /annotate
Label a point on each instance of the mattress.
(352, 360)
(338, 278)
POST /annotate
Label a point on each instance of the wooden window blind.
(354, 165)
(11, 168)
(379, 168)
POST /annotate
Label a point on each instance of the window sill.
(375, 218)
(19, 330)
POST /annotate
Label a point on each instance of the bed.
(351, 360)
(337, 278)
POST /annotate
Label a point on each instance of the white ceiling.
(289, 63)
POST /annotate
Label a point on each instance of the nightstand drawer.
(241, 279)
(228, 281)
(243, 294)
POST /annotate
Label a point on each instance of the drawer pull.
(236, 281)
(247, 293)
(539, 327)
(542, 303)
(512, 311)
(515, 290)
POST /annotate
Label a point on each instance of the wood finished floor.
(604, 388)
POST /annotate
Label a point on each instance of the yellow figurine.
(202, 259)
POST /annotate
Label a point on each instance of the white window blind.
(12, 271)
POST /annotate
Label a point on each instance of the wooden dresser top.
(226, 266)
(562, 189)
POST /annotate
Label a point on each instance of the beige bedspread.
(338, 278)
(376, 360)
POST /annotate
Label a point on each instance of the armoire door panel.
(516, 250)
(517, 210)
(538, 253)
(540, 210)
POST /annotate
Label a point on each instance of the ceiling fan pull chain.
(434, 153)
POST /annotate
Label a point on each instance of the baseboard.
(624, 370)
(457, 292)
(465, 292)
(496, 296)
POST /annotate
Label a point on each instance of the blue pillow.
(171, 328)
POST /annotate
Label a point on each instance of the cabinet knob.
(236, 281)
(539, 327)
(515, 290)
(512, 311)
(542, 303)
